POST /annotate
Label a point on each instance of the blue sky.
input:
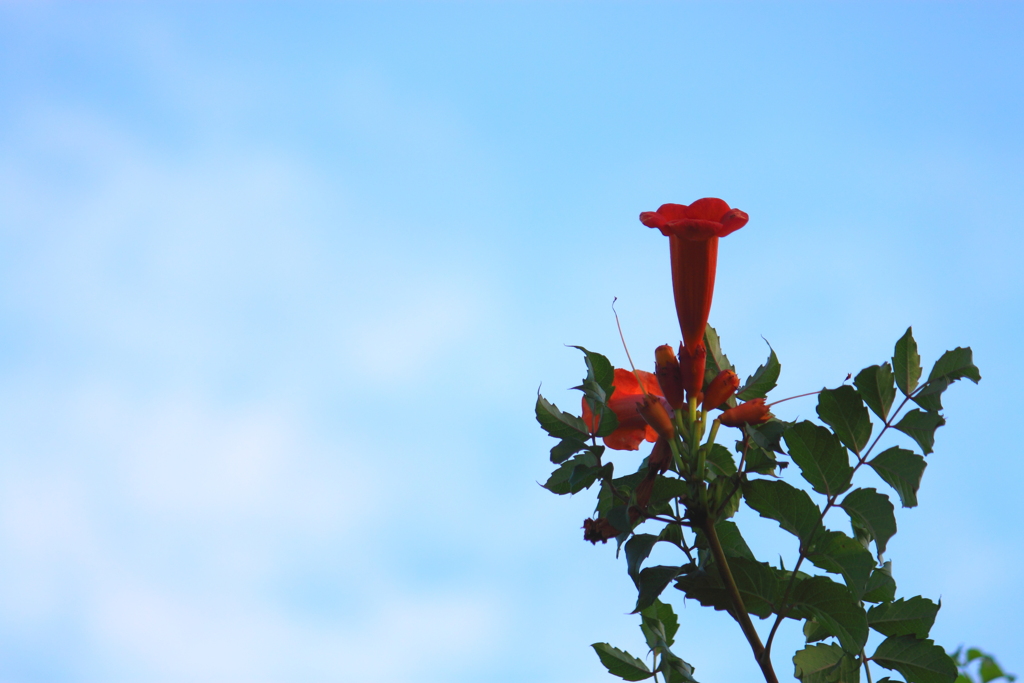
(279, 282)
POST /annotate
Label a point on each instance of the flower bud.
(595, 530)
(691, 366)
(655, 414)
(720, 389)
(643, 492)
(660, 457)
(669, 376)
(753, 412)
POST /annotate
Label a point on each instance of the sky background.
(279, 283)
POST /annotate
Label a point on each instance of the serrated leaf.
(837, 553)
(954, 365)
(675, 670)
(763, 380)
(719, 461)
(906, 363)
(920, 426)
(843, 410)
(881, 586)
(902, 470)
(920, 661)
(873, 512)
(834, 607)
(667, 488)
(913, 617)
(559, 424)
(652, 582)
(813, 631)
(759, 585)
(929, 396)
(826, 664)
(760, 461)
(608, 421)
(638, 548)
(622, 664)
(787, 505)
(769, 435)
(599, 369)
(663, 613)
(876, 385)
(566, 448)
(730, 539)
(822, 460)
(572, 475)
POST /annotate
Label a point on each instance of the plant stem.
(739, 610)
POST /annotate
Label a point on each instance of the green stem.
(739, 610)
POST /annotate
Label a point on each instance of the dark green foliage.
(834, 607)
(920, 426)
(906, 363)
(979, 667)
(620, 663)
(826, 664)
(876, 385)
(843, 410)
(822, 460)
(913, 617)
(763, 380)
(676, 506)
(789, 506)
(919, 660)
(902, 470)
(871, 512)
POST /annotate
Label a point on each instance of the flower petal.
(733, 221)
(627, 439)
(708, 209)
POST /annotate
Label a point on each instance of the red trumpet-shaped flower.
(693, 233)
(753, 412)
(625, 402)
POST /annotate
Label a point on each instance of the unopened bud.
(653, 411)
(660, 457)
(669, 376)
(595, 530)
(753, 412)
(691, 366)
(720, 389)
(643, 492)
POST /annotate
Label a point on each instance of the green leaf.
(608, 421)
(843, 410)
(920, 426)
(813, 631)
(653, 581)
(834, 607)
(666, 618)
(667, 488)
(673, 533)
(599, 370)
(622, 664)
(876, 386)
(881, 586)
(913, 617)
(902, 470)
(836, 552)
(716, 360)
(759, 585)
(906, 363)
(566, 448)
(559, 424)
(954, 365)
(730, 538)
(822, 460)
(920, 661)
(769, 435)
(638, 548)
(873, 512)
(572, 476)
(760, 461)
(826, 664)
(787, 505)
(675, 670)
(720, 462)
(763, 380)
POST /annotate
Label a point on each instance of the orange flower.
(720, 389)
(669, 376)
(753, 412)
(693, 233)
(624, 402)
(692, 366)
